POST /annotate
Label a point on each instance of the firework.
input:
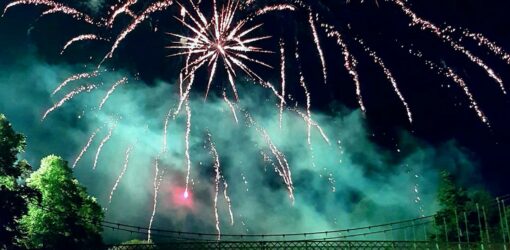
(84, 149)
(222, 39)
(112, 89)
(124, 169)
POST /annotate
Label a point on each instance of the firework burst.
(225, 38)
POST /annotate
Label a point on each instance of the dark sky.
(441, 110)
(438, 116)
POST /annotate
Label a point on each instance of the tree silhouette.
(66, 217)
(13, 192)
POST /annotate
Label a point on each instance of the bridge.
(474, 227)
(306, 245)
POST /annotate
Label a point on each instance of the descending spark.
(188, 158)
(216, 188)
(218, 177)
(75, 78)
(81, 38)
(124, 8)
(315, 124)
(112, 89)
(54, 8)
(284, 169)
(449, 73)
(492, 46)
(231, 106)
(350, 63)
(119, 178)
(427, 25)
(154, 7)
(389, 76)
(102, 143)
(84, 149)
(157, 183)
(165, 130)
(282, 80)
(68, 97)
(227, 198)
(308, 97)
(277, 7)
(318, 45)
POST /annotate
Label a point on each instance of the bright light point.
(185, 194)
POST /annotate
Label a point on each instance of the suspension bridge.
(471, 226)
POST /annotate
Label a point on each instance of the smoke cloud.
(350, 182)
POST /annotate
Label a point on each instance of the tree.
(465, 213)
(66, 217)
(13, 192)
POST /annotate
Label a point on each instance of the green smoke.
(349, 182)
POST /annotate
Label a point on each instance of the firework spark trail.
(427, 25)
(124, 8)
(54, 8)
(102, 143)
(277, 7)
(81, 38)
(112, 89)
(482, 40)
(282, 78)
(188, 158)
(87, 145)
(75, 78)
(388, 75)
(227, 198)
(69, 96)
(157, 183)
(284, 169)
(231, 106)
(154, 7)
(308, 97)
(216, 189)
(218, 177)
(165, 131)
(313, 123)
(449, 73)
(318, 46)
(119, 178)
(350, 62)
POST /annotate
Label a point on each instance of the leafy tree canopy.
(66, 216)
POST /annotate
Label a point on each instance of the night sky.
(445, 131)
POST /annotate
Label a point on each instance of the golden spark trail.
(74, 78)
(350, 63)
(427, 25)
(157, 183)
(318, 46)
(119, 178)
(308, 97)
(124, 8)
(84, 149)
(231, 106)
(389, 76)
(54, 8)
(449, 73)
(112, 89)
(81, 38)
(188, 158)
(102, 143)
(155, 7)
(282, 76)
(284, 169)
(68, 97)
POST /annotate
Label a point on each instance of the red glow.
(182, 197)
